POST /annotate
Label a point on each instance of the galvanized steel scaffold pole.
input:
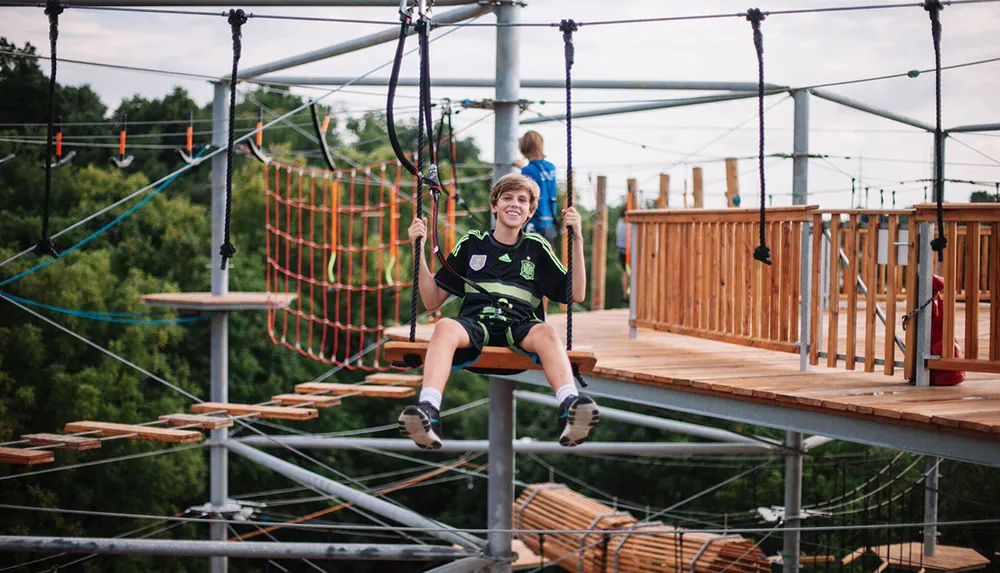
(582, 84)
(793, 502)
(244, 3)
(376, 505)
(219, 370)
(246, 549)
(500, 493)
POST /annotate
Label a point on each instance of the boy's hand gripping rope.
(45, 245)
(933, 8)
(236, 20)
(762, 253)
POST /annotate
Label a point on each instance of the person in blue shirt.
(532, 146)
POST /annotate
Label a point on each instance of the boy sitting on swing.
(517, 269)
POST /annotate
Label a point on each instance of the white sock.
(431, 396)
(566, 391)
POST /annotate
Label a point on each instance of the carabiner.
(424, 8)
(404, 10)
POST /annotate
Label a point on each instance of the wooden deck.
(697, 365)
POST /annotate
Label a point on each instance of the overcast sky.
(799, 50)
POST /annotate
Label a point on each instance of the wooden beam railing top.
(696, 274)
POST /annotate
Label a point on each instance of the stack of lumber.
(556, 507)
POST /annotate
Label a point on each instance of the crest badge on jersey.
(477, 262)
(528, 270)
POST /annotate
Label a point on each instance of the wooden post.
(631, 203)
(598, 251)
(732, 183)
(664, 200)
(698, 191)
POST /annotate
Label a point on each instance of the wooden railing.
(695, 274)
(966, 263)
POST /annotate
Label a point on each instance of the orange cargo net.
(333, 241)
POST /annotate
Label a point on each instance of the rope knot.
(237, 18)
(227, 250)
(763, 254)
(567, 27)
(938, 244)
(53, 9)
(46, 247)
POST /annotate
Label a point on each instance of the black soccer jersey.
(517, 276)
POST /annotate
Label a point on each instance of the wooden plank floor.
(705, 366)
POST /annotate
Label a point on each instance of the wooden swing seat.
(494, 359)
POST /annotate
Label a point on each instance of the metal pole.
(522, 446)
(500, 493)
(255, 3)
(646, 421)
(793, 502)
(389, 35)
(582, 84)
(665, 104)
(633, 305)
(800, 149)
(931, 483)
(925, 276)
(507, 94)
(384, 508)
(852, 103)
(972, 128)
(219, 370)
(246, 549)
(805, 288)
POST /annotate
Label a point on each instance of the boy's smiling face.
(513, 208)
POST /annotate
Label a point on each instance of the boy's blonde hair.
(531, 145)
(516, 182)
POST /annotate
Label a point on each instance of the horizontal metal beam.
(281, 3)
(382, 507)
(381, 37)
(646, 421)
(665, 104)
(861, 106)
(246, 549)
(975, 127)
(522, 446)
(952, 446)
(525, 83)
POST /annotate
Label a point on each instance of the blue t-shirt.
(544, 173)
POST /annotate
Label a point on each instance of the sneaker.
(422, 424)
(577, 417)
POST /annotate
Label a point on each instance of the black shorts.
(622, 257)
(488, 333)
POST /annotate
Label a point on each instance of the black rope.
(762, 253)
(567, 27)
(45, 245)
(933, 8)
(236, 20)
(404, 28)
(418, 244)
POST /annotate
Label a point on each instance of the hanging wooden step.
(391, 379)
(149, 433)
(372, 391)
(314, 400)
(200, 422)
(270, 412)
(26, 457)
(61, 442)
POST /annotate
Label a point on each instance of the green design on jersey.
(528, 269)
(505, 258)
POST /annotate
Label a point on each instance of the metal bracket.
(629, 534)
(704, 547)
(583, 538)
(490, 104)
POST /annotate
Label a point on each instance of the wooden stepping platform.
(372, 391)
(270, 412)
(314, 400)
(946, 557)
(26, 457)
(390, 379)
(61, 442)
(492, 358)
(203, 422)
(148, 433)
(207, 302)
